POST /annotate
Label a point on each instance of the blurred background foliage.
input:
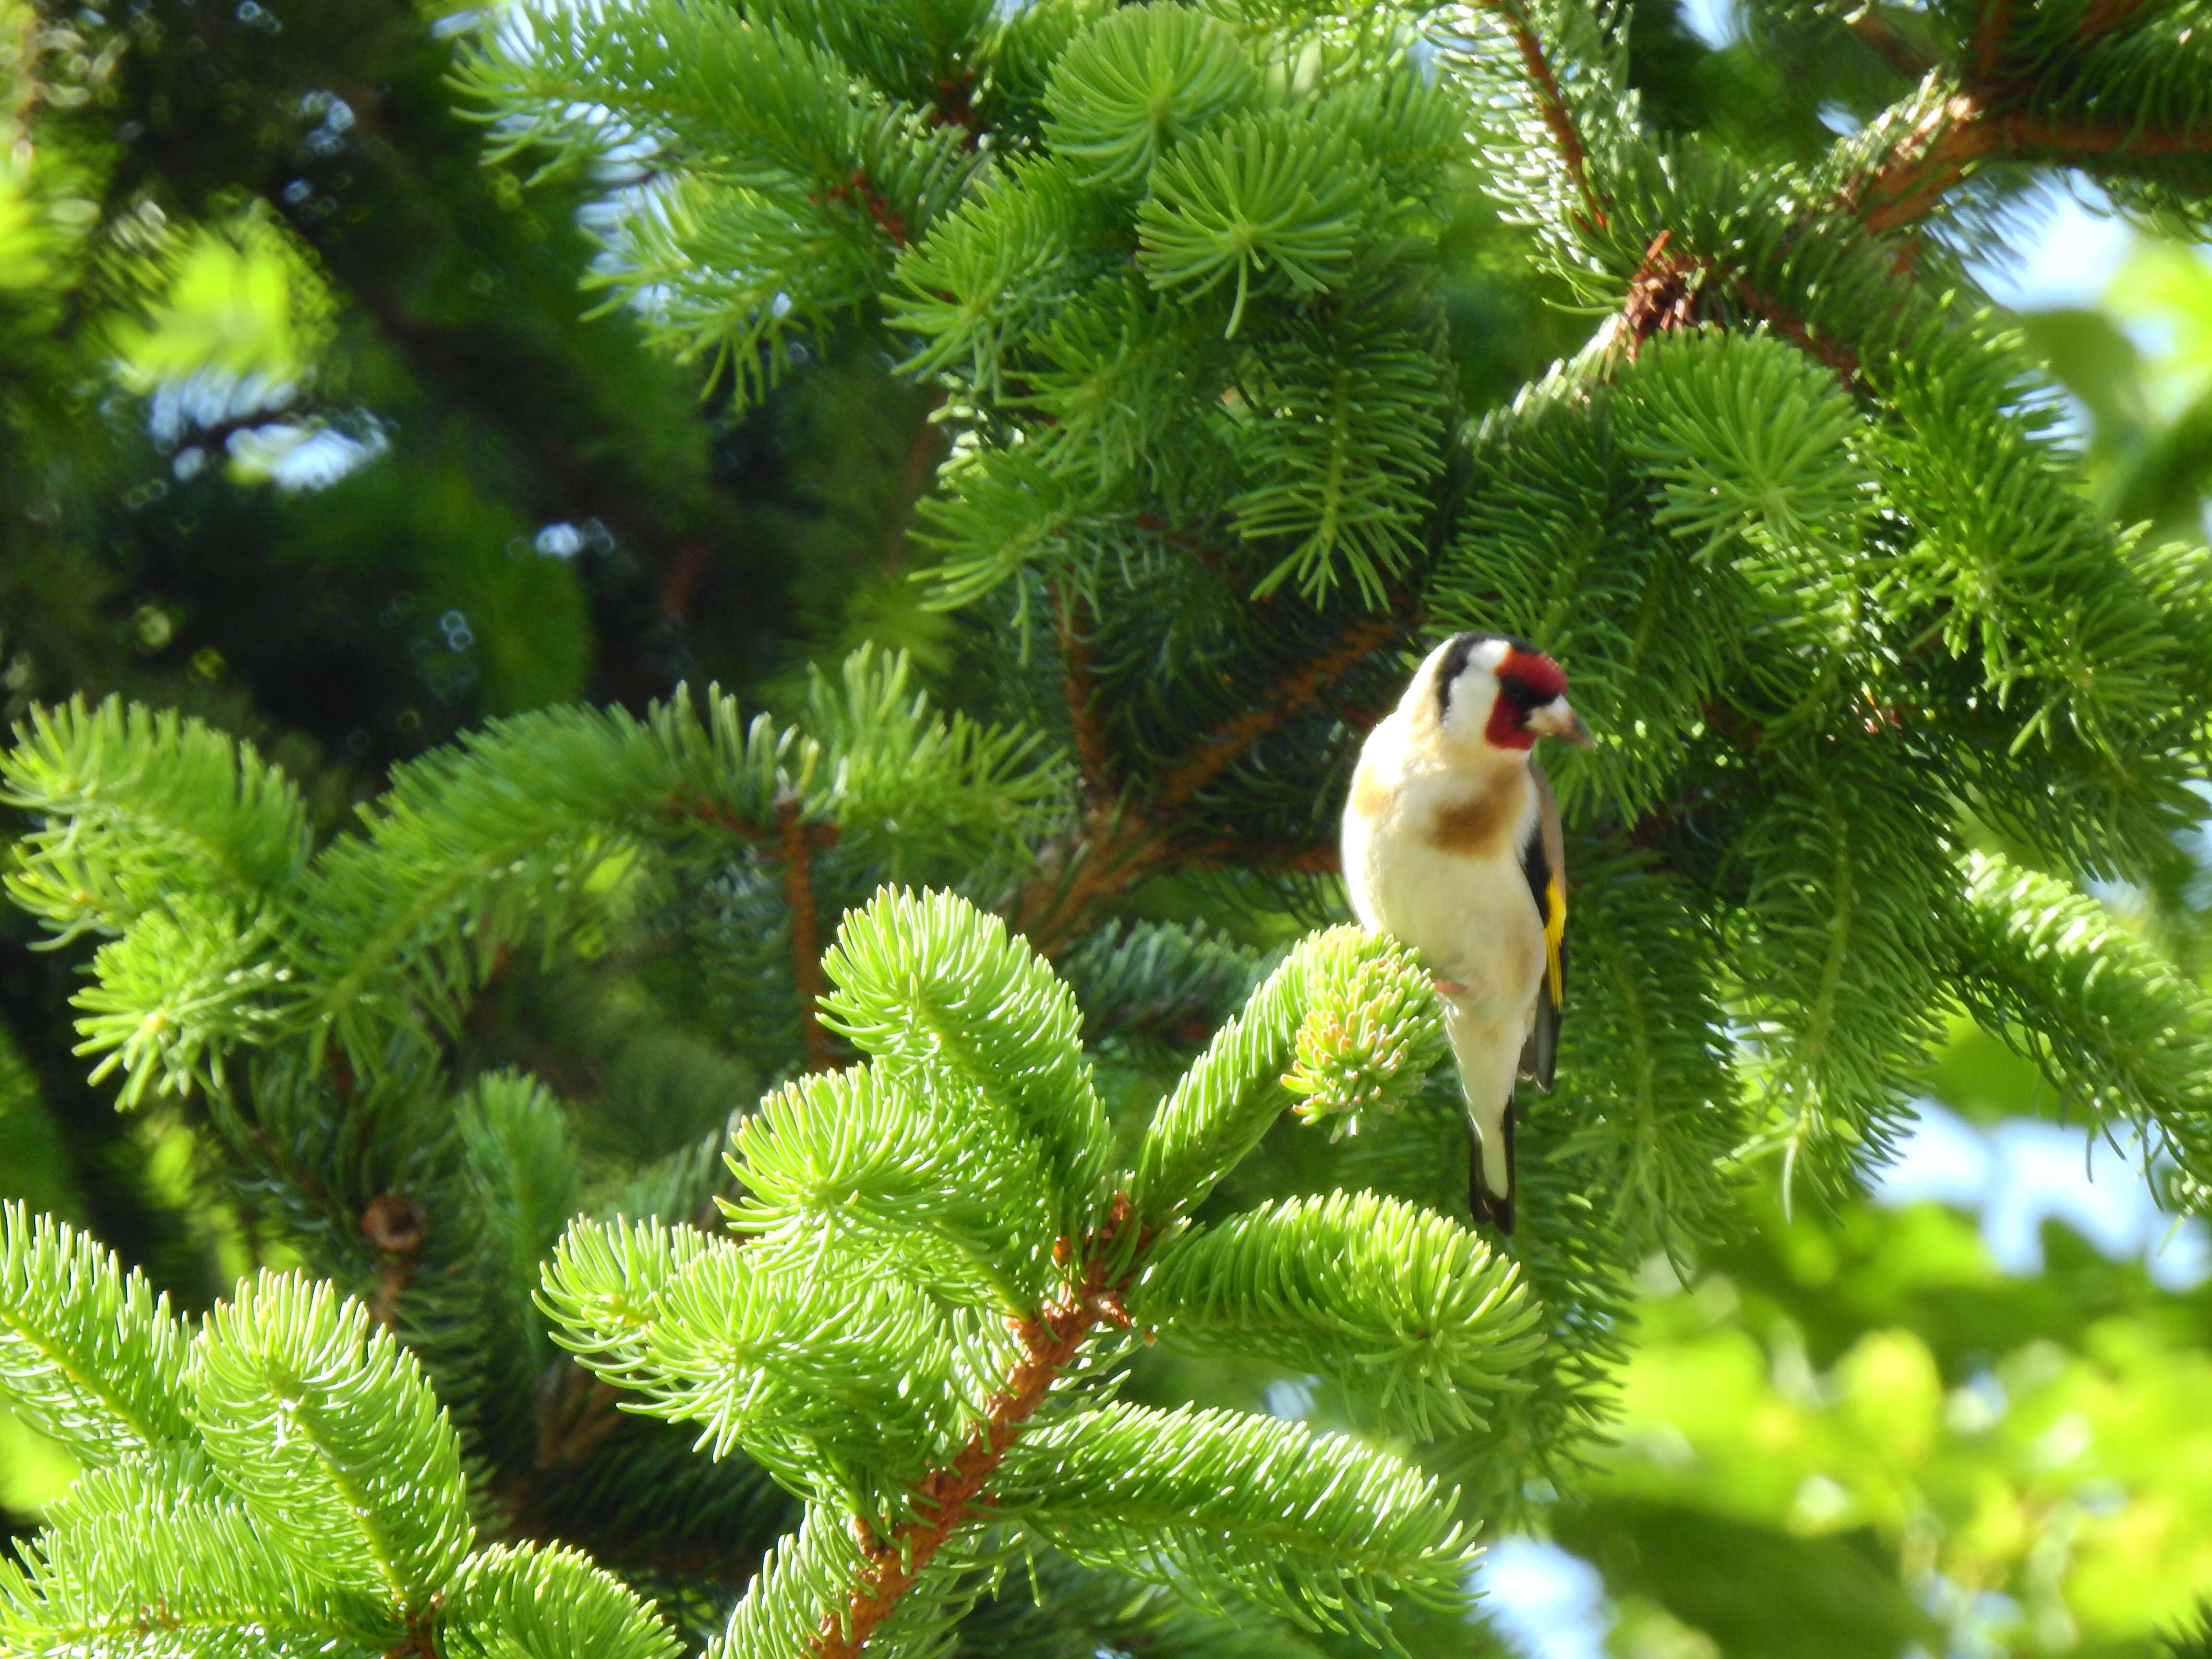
(312, 427)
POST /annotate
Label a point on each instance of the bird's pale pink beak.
(1555, 720)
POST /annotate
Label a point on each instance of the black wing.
(1543, 860)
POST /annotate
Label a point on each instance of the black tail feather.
(1489, 1208)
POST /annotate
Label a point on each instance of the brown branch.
(1295, 693)
(2023, 132)
(1900, 53)
(577, 1411)
(955, 106)
(1573, 154)
(1093, 758)
(796, 839)
(799, 840)
(921, 458)
(1213, 557)
(1838, 356)
(1907, 186)
(1666, 293)
(947, 1499)
(1971, 125)
(1105, 857)
(1965, 130)
(681, 581)
(2105, 16)
(1115, 846)
(1989, 36)
(1319, 857)
(707, 810)
(861, 191)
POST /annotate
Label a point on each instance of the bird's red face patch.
(1526, 680)
(1544, 678)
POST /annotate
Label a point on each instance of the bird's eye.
(1521, 695)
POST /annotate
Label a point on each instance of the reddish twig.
(799, 839)
(1205, 552)
(1926, 162)
(950, 1498)
(707, 810)
(2104, 15)
(1989, 36)
(577, 1411)
(1910, 183)
(1900, 53)
(1108, 855)
(861, 190)
(1116, 846)
(681, 580)
(1574, 155)
(1319, 857)
(921, 459)
(1094, 759)
(955, 106)
(1838, 356)
(1296, 692)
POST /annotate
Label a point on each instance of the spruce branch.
(1116, 846)
(1146, 77)
(844, 1346)
(799, 839)
(1971, 128)
(328, 1432)
(933, 986)
(2115, 1028)
(1655, 1120)
(1870, 23)
(1409, 1308)
(1551, 105)
(141, 1566)
(510, 1601)
(1259, 1060)
(1836, 904)
(910, 1164)
(302, 1494)
(139, 807)
(1078, 692)
(1341, 1528)
(947, 1499)
(2092, 100)
(88, 1354)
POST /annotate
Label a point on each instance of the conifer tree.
(1876, 690)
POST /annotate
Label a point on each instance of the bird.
(1451, 844)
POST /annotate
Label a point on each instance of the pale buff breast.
(1432, 856)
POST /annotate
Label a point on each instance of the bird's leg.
(1449, 987)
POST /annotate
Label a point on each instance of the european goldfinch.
(1451, 843)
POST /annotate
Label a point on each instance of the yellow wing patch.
(1555, 933)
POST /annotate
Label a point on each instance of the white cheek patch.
(1473, 694)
